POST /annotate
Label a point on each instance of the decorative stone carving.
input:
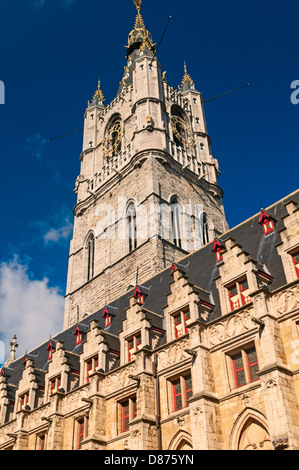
(173, 354)
(180, 421)
(288, 300)
(233, 326)
(197, 411)
(271, 384)
(120, 379)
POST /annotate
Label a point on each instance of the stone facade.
(201, 350)
(148, 145)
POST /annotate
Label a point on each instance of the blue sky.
(52, 53)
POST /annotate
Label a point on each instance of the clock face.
(182, 132)
(111, 144)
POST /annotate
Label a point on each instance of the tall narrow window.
(128, 413)
(182, 391)
(205, 229)
(81, 426)
(90, 257)
(132, 227)
(175, 221)
(245, 366)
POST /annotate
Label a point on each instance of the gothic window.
(90, 248)
(132, 227)
(238, 293)
(182, 391)
(181, 129)
(245, 366)
(205, 229)
(111, 145)
(175, 221)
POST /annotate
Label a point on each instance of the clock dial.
(111, 144)
(182, 132)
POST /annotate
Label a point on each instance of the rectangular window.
(238, 294)
(55, 384)
(134, 344)
(78, 338)
(245, 366)
(126, 416)
(81, 426)
(181, 322)
(177, 395)
(181, 392)
(91, 366)
(24, 400)
(42, 442)
(128, 413)
(107, 320)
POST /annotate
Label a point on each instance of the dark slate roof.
(200, 269)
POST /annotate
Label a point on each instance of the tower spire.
(187, 82)
(98, 97)
(139, 35)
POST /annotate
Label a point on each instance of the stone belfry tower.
(147, 193)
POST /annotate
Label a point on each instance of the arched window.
(175, 221)
(181, 129)
(90, 256)
(205, 229)
(132, 227)
(111, 145)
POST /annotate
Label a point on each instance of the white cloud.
(35, 146)
(29, 308)
(62, 233)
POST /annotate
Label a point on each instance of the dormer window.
(141, 294)
(91, 366)
(78, 335)
(218, 249)
(134, 344)
(50, 350)
(238, 294)
(107, 320)
(23, 401)
(108, 314)
(55, 384)
(181, 322)
(267, 222)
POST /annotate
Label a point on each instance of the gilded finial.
(137, 4)
(187, 80)
(98, 97)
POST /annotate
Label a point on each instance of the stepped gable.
(201, 270)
